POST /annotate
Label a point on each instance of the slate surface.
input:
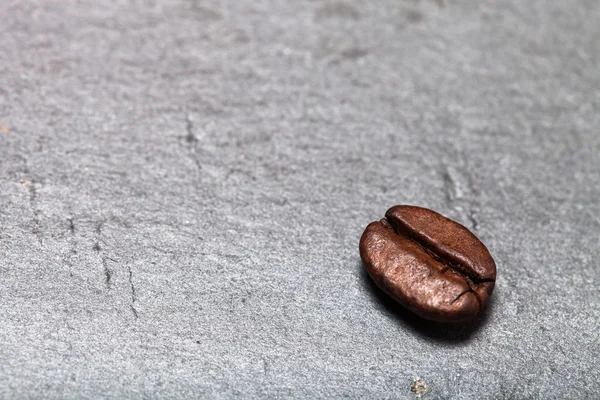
(183, 186)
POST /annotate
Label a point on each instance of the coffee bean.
(430, 264)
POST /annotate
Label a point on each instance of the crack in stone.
(36, 213)
(71, 226)
(192, 142)
(108, 273)
(453, 194)
(99, 227)
(233, 257)
(133, 293)
(189, 128)
(72, 245)
(97, 248)
(472, 204)
(449, 187)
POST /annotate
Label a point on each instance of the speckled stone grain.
(183, 185)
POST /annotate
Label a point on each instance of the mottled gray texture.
(183, 186)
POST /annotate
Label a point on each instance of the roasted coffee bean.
(430, 264)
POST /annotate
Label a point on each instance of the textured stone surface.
(183, 186)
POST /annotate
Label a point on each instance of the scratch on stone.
(72, 251)
(354, 53)
(337, 10)
(36, 213)
(472, 187)
(71, 226)
(189, 128)
(449, 186)
(592, 216)
(462, 191)
(161, 250)
(133, 293)
(192, 141)
(240, 171)
(414, 15)
(97, 248)
(232, 257)
(108, 273)
(99, 227)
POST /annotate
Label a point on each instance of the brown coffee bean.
(430, 264)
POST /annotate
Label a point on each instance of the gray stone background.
(183, 185)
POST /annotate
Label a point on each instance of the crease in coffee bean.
(460, 295)
(470, 278)
(445, 262)
(472, 290)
